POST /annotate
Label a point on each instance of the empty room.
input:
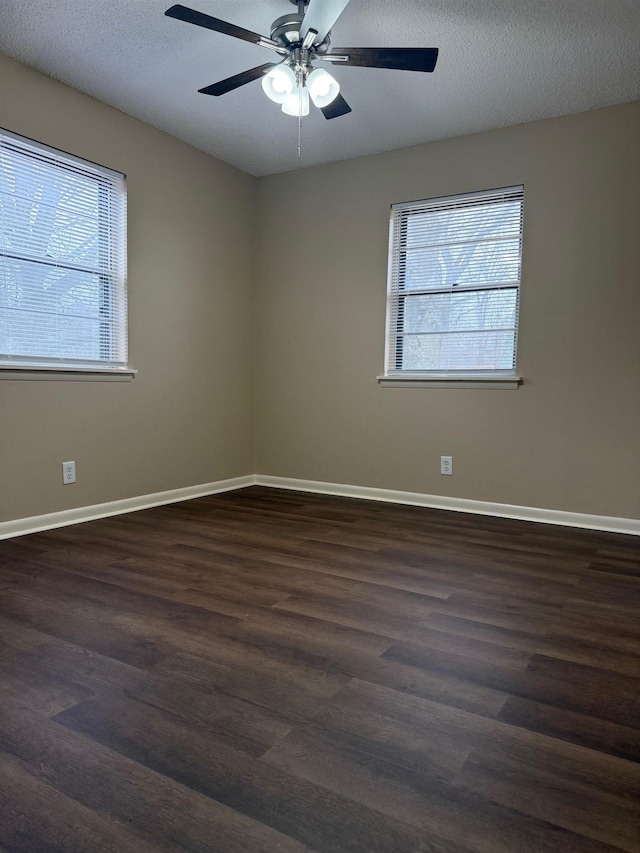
(320, 426)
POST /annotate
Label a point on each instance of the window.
(454, 280)
(62, 260)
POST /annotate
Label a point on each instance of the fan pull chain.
(300, 80)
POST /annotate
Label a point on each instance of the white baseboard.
(525, 513)
(22, 526)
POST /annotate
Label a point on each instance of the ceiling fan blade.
(402, 58)
(191, 16)
(321, 15)
(231, 83)
(338, 107)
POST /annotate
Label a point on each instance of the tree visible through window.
(62, 259)
(454, 279)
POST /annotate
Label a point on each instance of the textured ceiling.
(501, 62)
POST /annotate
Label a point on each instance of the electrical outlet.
(446, 465)
(68, 473)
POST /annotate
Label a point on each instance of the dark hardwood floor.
(277, 671)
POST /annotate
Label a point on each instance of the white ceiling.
(501, 62)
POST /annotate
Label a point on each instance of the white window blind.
(62, 259)
(454, 279)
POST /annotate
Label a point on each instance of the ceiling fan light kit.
(279, 82)
(297, 103)
(292, 89)
(323, 88)
(301, 38)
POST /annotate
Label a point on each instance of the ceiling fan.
(301, 38)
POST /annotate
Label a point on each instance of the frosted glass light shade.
(323, 88)
(279, 83)
(297, 103)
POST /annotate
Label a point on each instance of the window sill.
(66, 374)
(444, 380)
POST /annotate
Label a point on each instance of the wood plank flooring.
(276, 671)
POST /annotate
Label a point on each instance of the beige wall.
(569, 439)
(187, 418)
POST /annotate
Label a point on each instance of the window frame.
(111, 271)
(395, 376)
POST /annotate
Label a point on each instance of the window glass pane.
(28, 285)
(463, 222)
(459, 351)
(48, 212)
(37, 334)
(466, 264)
(465, 311)
(50, 313)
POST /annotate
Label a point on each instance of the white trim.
(444, 380)
(36, 523)
(110, 265)
(400, 277)
(62, 374)
(544, 516)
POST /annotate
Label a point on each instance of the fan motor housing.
(286, 31)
